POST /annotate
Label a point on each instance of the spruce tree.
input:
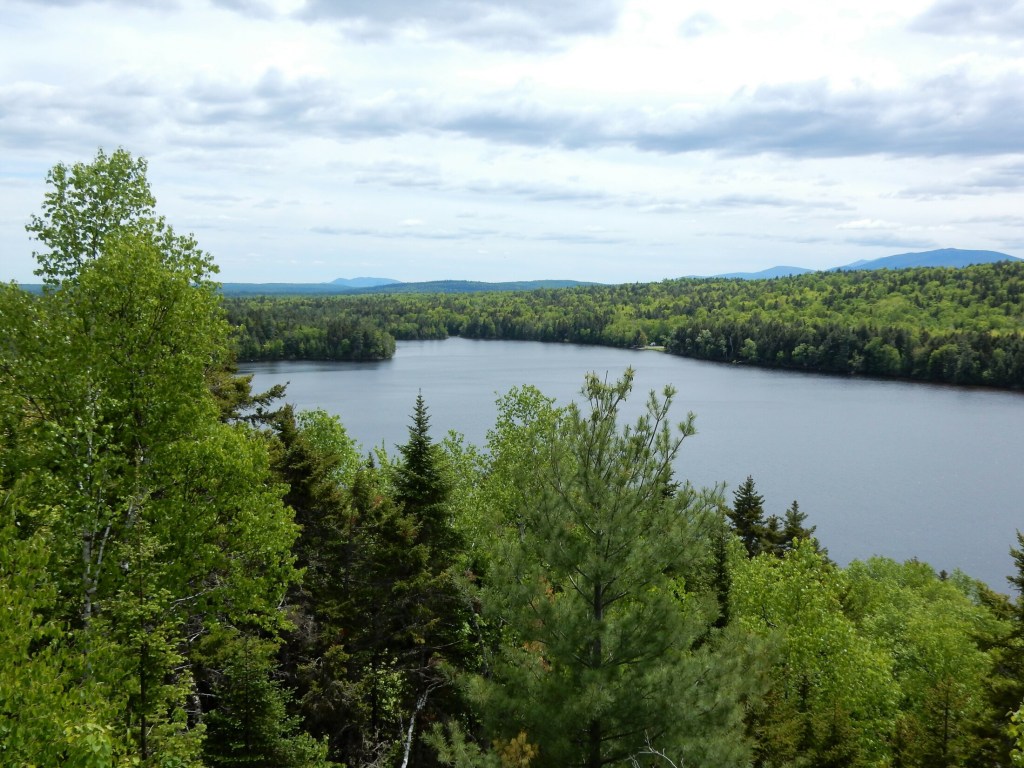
(794, 527)
(381, 615)
(422, 488)
(249, 725)
(747, 516)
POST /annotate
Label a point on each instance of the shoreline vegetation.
(962, 326)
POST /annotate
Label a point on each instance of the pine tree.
(438, 609)
(773, 538)
(747, 516)
(605, 591)
(422, 489)
(381, 613)
(249, 725)
(794, 527)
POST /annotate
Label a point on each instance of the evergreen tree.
(604, 589)
(747, 516)
(380, 614)
(794, 528)
(249, 725)
(422, 488)
(773, 538)
(439, 611)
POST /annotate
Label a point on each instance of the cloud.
(893, 240)
(525, 24)
(217, 198)
(169, 5)
(1008, 220)
(744, 201)
(960, 18)
(1007, 177)
(398, 173)
(949, 115)
(412, 175)
(868, 224)
(699, 24)
(472, 233)
(538, 192)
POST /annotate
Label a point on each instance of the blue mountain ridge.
(363, 282)
(943, 257)
(767, 274)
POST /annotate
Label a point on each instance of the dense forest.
(193, 574)
(961, 326)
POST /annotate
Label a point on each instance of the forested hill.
(392, 286)
(963, 326)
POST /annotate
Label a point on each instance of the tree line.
(192, 574)
(959, 326)
(305, 328)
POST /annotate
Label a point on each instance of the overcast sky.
(605, 140)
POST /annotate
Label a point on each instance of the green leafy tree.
(48, 714)
(931, 627)
(160, 520)
(85, 204)
(832, 700)
(602, 587)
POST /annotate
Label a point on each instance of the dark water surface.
(882, 468)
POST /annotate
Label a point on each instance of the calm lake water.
(881, 468)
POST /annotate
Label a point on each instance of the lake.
(880, 467)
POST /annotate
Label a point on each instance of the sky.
(603, 140)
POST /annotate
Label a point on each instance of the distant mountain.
(767, 274)
(386, 285)
(944, 257)
(470, 286)
(284, 289)
(363, 282)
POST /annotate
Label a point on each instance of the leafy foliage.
(962, 326)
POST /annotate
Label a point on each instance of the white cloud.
(875, 224)
(617, 140)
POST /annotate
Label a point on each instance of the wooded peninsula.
(193, 574)
(956, 326)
